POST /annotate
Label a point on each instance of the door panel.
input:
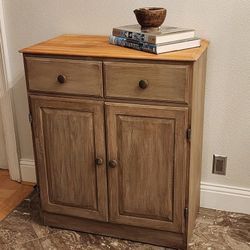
(62, 127)
(149, 151)
(147, 186)
(69, 136)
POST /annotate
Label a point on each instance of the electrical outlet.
(219, 164)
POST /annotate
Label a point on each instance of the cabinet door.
(69, 140)
(147, 165)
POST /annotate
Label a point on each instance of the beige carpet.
(22, 229)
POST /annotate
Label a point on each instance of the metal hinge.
(186, 213)
(30, 118)
(189, 134)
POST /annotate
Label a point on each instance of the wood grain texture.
(146, 183)
(146, 188)
(166, 82)
(82, 76)
(11, 193)
(156, 237)
(74, 132)
(69, 136)
(98, 46)
(197, 116)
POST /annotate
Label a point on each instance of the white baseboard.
(228, 198)
(28, 171)
(216, 196)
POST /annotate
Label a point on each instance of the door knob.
(112, 163)
(143, 84)
(61, 79)
(98, 161)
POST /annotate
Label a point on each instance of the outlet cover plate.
(219, 164)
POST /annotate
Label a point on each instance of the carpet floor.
(22, 229)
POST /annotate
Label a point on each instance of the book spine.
(139, 37)
(121, 41)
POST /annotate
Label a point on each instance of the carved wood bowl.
(151, 17)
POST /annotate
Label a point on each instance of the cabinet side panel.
(197, 114)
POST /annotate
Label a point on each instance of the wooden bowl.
(151, 17)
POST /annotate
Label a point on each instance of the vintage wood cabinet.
(117, 136)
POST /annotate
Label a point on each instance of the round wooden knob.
(61, 79)
(98, 161)
(143, 84)
(113, 163)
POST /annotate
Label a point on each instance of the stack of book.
(162, 40)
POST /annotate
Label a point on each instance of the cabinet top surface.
(98, 46)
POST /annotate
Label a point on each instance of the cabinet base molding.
(155, 237)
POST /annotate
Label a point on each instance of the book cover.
(153, 48)
(154, 36)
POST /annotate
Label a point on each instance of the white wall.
(225, 23)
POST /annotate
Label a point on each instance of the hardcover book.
(156, 48)
(154, 36)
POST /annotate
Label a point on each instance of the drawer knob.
(143, 84)
(98, 161)
(113, 163)
(61, 79)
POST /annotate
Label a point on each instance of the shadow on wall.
(20, 102)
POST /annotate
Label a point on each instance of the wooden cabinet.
(112, 137)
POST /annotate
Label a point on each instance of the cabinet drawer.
(76, 77)
(163, 82)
